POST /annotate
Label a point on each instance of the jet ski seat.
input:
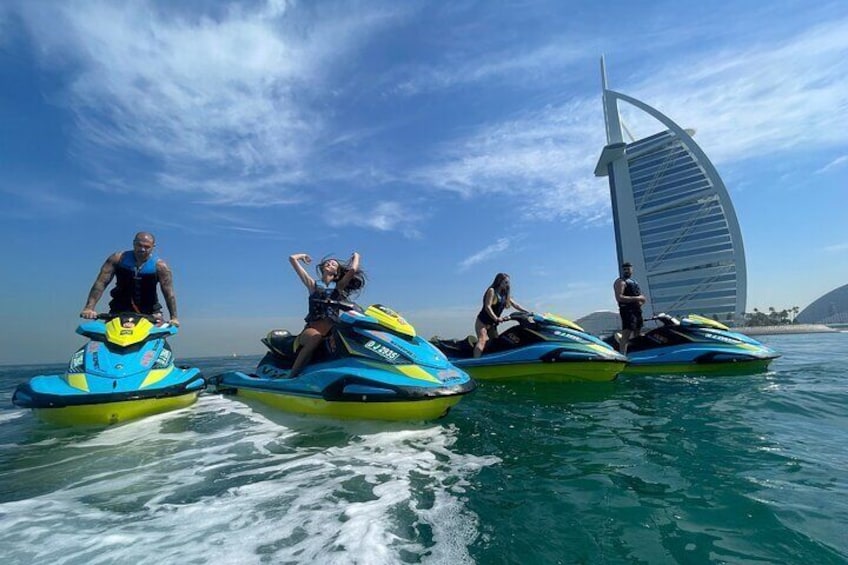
(281, 342)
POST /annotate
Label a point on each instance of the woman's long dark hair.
(501, 279)
(356, 284)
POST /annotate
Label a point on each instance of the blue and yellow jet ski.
(694, 345)
(539, 348)
(371, 365)
(126, 371)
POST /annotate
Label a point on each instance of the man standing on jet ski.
(137, 273)
(630, 299)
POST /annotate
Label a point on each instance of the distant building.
(601, 322)
(673, 218)
(832, 308)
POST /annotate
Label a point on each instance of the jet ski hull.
(696, 346)
(543, 348)
(729, 366)
(425, 409)
(371, 366)
(111, 413)
(581, 371)
(55, 401)
(125, 371)
(347, 398)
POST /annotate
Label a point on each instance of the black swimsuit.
(497, 308)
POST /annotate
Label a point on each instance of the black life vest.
(135, 286)
(631, 288)
(320, 310)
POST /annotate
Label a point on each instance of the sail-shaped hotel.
(673, 218)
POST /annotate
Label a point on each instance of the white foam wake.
(224, 483)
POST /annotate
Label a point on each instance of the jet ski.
(694, 345)
(371, 365)
(540, 348)
(125, 371)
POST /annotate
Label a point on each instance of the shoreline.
(785, 329)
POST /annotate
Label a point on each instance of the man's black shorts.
(631, 319)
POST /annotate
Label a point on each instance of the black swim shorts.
(631, 319)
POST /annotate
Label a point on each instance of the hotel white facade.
(673, 218)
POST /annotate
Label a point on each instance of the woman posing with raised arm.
(496, 299)
(336, 281)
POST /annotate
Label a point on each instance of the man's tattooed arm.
(166, 282)
(107, 271)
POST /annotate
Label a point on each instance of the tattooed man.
(137, 273)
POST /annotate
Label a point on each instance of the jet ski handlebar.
(340, 304)
(517, 316)
(130, 316)
(665, 319)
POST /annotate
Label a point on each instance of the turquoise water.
(747, 469)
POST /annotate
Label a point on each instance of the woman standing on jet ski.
(496, 299)
(336, 282)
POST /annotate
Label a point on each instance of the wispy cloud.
(837, 248)
(234, 95)
(836, 163)
(252, 230)
(32, 202)
(5, 22)
(513, 67)
(236, 220)
(203, 220)
(543, 159)
(384, 216)
(485, 254)
(762, 99)
(239, 105)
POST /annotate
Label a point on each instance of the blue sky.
(444, 141)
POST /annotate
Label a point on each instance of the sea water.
(647, 469)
